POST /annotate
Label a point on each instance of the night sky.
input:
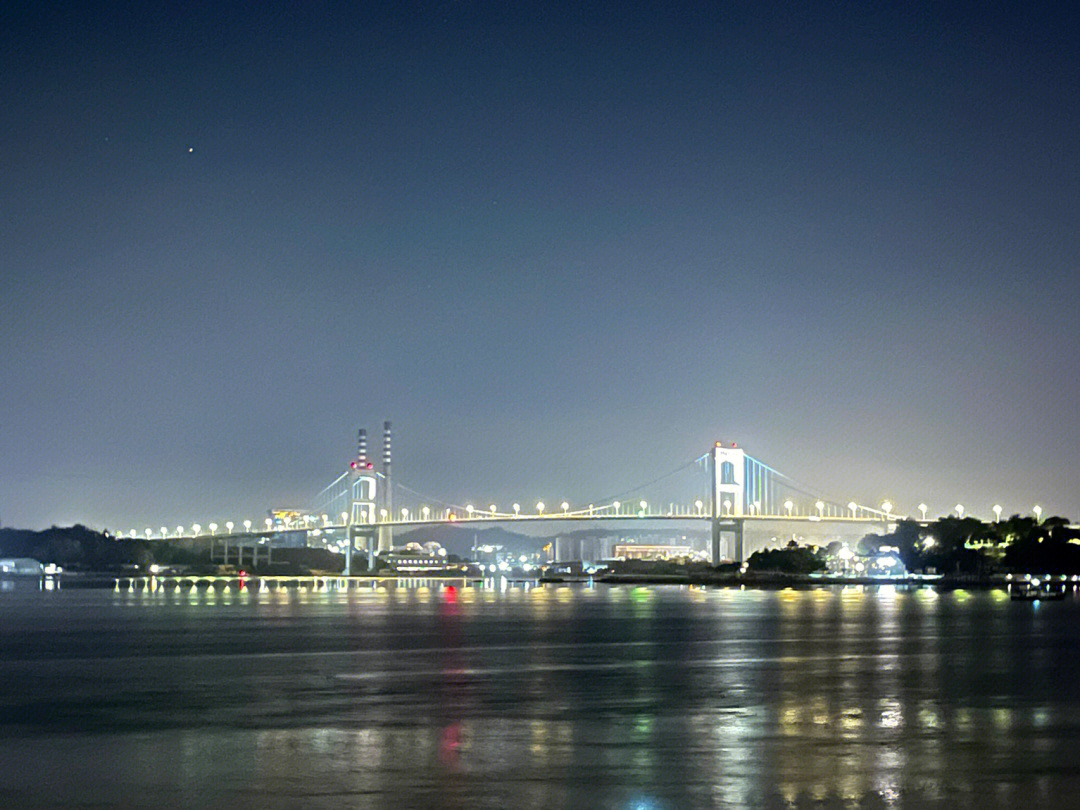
(563, 248)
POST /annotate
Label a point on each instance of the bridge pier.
(719, 529)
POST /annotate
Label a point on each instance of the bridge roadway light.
(469, 509)
(960, 510)
(727, 506)
(788, 505)
(854, 507)
(565, 507)
(247, 525)
(195, 528)
(213, 528)
(491, 508)
(270, 523)
(325, 520)
(179, 531)
(644, 506)
(404, 513)
(757, 507)
(164, 532)
(617, 507)
(383, 514)
(820, 505)
(887, 509)
(1038, 513)
(229, 526)
(426, 511)
(149, 532)
(997, 512)
(922, 510)
(539, 507)
(517, 509)
(698, 504)
(344, 518)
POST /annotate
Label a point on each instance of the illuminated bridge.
(724, 487)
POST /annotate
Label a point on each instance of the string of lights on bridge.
(615, 510)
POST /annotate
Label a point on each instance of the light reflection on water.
(555, 696)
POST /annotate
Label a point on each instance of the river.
(557, 696)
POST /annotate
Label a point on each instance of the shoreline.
(762, 581)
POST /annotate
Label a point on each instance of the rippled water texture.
(555, 697)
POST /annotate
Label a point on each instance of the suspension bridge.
(727, 488)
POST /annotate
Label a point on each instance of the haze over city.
(563, 249)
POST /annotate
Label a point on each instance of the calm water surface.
(558, 697)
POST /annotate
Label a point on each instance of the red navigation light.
(733, 444)
(243, 574)
(370, 466)
(353, 464)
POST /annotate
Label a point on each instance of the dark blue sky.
(563, 249)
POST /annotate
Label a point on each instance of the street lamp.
(213, 528)
(164, 532)
(404, 513)
(345, 518)
(539, 507)
(382, 514)
(788, 505)
(997, 512)
(1038, 513)
(960, 510)
(247, 525)
(426, 511)
(179, 531)
(644, 506)
(268, 523)
(149, 532)
(469, 509)
(565, 507)
(820, 508)
(922, 510)
(196, 528)
(617, 506)
(491, 508)
(698, 504)
(887, 509)
(228, 526)
(517, 509)
(854, 507)
(727, 506)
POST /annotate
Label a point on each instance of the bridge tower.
(386, 533)
(728, 497)
(362, 491)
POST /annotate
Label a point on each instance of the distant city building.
(21, 566)
(640, 551)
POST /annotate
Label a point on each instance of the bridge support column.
(738, 552)
(716, 538)
(348, 551)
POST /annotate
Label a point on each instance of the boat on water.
(1036, 589)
